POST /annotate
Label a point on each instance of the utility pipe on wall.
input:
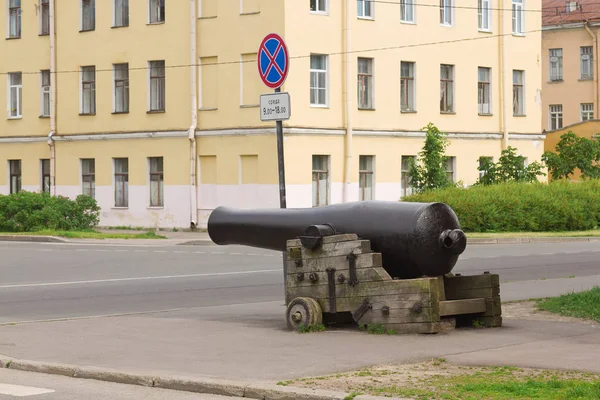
(594, 57)
(347, 98)
(503, 96)
(193, 126)
(51, 142)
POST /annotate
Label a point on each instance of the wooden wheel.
(303, 311)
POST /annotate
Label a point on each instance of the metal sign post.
(273, 65)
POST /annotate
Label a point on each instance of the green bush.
(558, 206)
(30, 211)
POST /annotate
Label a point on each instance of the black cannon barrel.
(415, 239)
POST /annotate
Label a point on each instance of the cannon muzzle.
(415, 239)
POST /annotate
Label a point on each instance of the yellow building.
(571, 30)
(152, 106)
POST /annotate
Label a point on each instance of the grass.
(579, 305)
(478, 235)
(88, 234)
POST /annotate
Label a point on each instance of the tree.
(574, 152)
(510, 167)
(430, 172)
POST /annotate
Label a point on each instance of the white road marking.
(142, 278)
(22, 391)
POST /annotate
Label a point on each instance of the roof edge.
(572, 25)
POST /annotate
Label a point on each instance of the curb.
(515, 240)
(32, 238)
(222, 387)
(197, 242)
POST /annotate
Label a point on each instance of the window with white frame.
(318, 79)
(407, 86)
(556, 64)
(88, 177)
(587, 111)
(556, 116)
(121, 168)
(14, 167)
(157, 85)
(446, 88)
(88, 90)
(157, 182)
(518, 93)
(405, 181)
(45, 93)
(365, 8)
(14, 19)
(320, 180)
(88, 15)
(484, 90)
(365, 177)
(45, 183)
(450, 165)
(319, 6)
(482, 162)
(121, 87)
(156, 11)
(587, 63)
(484, 13)
(518, 17)
(15, 95)
(446, 9)
(407, 10)
(365, 83)
(44, 17)
(121, 15)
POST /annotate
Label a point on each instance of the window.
(121, 77)
(484, 13)
(318, 6)
(318, 80)
(45, 175)
(209, 81)
(556, 59)
(446, 7)
(405, 181)
(320, 180)
(587, 111)
(518, 17)
(518, 93)
(88, 15)
(121, 182)
(121, 8)
(365, 83)
(365, 8)
(157, 11)
(15, 93)
(482, 162)
(365, 179)
(407, 10)
(45, 93)
(157, 183)
(157, 85)
(88, 177)
(88, 90)
(587, 64)
(45, 17)
(450, 165)
(407, 86)
(446, 88)
(556, 116)
(14, 167)
(14, 19)
(484, 93)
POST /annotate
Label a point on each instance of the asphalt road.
(54, 281)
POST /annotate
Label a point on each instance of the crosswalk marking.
(22, 391)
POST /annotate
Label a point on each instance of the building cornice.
(572, 25)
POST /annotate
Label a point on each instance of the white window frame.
(126, 183)
(18, 113)
(523, 97)
(406, 188)
(518, 17)
(161, 183)
(450, 167)
(126, 90)
(484, 15)
(91, 174)
(481, 106)
(370, 170)
(115, 11)
(19, 21)
(452, 79)
(586, 58)
(556, 113)
(164, 87)
(586, 109)
(371, 83)
(93, 98)
(161, 18)
(446, 13)
(81, 16)
(412, 93)
(327, 171)
(44, 93)
(555, 56)
(44, 4)
(322, 7)
(324, 72)
(406, 5)
(482, 173)
(362, 7)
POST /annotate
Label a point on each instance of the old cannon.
(378, 262)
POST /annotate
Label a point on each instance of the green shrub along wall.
(558, 206)
(29, 211)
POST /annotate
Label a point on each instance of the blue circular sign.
(273, 61)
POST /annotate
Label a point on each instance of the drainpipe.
(51, 143)
(193, 126)
(348, 114)
(594, 57)
(503, 96)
